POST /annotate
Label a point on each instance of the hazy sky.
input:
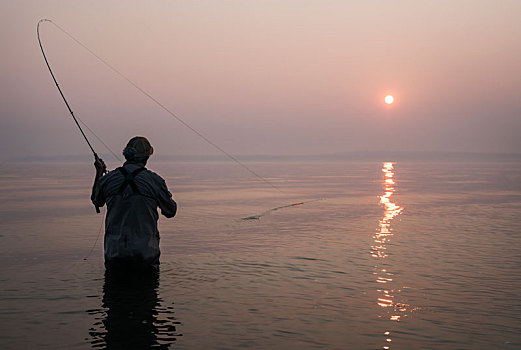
(264, 77)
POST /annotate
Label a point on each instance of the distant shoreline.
(346, 156)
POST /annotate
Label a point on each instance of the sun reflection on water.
(387, 297)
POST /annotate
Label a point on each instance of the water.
(403, 255)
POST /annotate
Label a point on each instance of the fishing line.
(269, 211)
(166, 109)
(100, 140)
(97, 237)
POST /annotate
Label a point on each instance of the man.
(133, 194)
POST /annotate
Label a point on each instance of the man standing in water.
(133, 194)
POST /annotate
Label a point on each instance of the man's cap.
(138, 147)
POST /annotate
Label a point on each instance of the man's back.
(132, 195)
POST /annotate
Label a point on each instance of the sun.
(389, 99)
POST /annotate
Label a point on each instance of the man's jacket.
(133, 194)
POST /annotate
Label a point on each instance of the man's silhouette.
(132, 194)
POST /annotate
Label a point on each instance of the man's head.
(138, 150)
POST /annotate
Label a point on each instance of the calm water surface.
(395, 255)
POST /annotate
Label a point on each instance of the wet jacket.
(133, 196)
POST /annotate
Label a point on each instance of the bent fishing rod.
(63, 96)
(60, 90)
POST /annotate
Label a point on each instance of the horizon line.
(353, 155)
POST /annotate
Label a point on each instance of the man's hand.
(100, 166)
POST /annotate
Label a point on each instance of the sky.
(263, 76)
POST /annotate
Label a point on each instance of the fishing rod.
(60, 90)
(97, 159)
(148, 95)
